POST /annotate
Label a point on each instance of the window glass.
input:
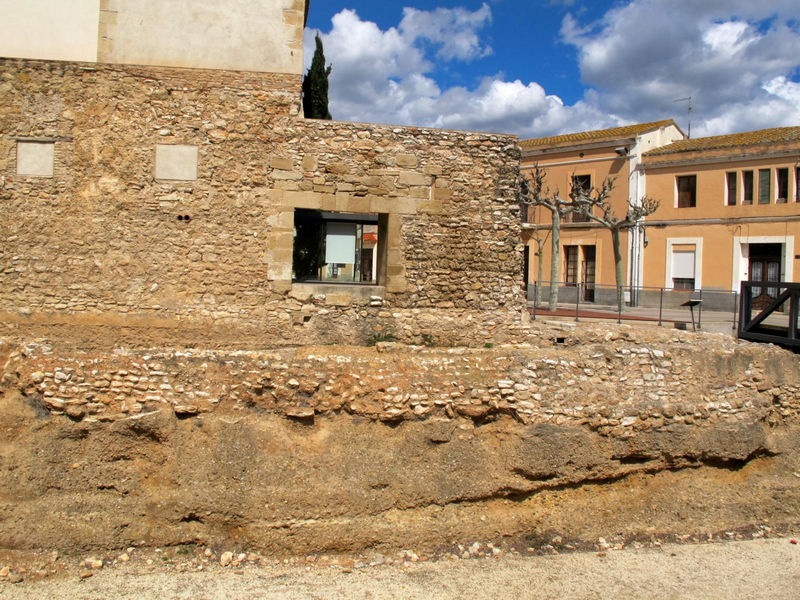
(763, 186)
(731, 188)
(582, 182)
(335, 247)
(571, 254)
(782, 179)
(747, 184)
(687, 191)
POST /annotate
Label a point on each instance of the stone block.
(339, 168)
(283, 164)
(435, 170)
(430, 207)
(352, 204)
(407, 160)
(413, 178)
(309, 163)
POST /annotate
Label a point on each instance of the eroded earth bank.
(621, 433)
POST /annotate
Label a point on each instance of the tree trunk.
(556, 240)
(618, 265)
(540, 272)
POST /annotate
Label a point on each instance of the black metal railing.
(770, 313)
(658, 304)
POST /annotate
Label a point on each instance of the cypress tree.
(315, 86)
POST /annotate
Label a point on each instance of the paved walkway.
(759, 569)
(720, 322)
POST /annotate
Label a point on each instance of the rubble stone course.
(615, 384)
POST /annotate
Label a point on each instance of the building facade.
(728, 212)
(588, 158)
(182, 189)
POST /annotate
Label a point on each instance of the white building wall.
(49, 29)
(241, 35)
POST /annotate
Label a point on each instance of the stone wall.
(105, 238)
(614, 383)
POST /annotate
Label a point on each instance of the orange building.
(586, 255)
(729, 211)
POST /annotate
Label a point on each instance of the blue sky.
(545, 67)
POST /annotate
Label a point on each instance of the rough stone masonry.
(164, 381)
(106, 238)
(337, 448)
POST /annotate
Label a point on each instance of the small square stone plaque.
(176, 162)
(35, 159)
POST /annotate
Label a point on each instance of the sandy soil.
(764, 568)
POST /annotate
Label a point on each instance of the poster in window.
(340, 243)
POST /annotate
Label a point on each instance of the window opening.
(763, 186)
(687, 191)
(782, 180)
(332, 247)
(683, 269)
(747, 184)
(583, 183)
(797, 184)
(731, 187)
(571, 253)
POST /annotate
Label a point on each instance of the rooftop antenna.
(689, 100)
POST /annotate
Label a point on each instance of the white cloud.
(386, 77)
(643, 55)
(455, 30)
(736, 58)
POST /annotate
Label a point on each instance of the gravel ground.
(766, 568)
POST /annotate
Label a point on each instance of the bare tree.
(585, 202)
(540, 241)
(534, 192)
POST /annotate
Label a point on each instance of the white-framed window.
(684, 268)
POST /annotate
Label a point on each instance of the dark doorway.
(764, 265)
(589, 269)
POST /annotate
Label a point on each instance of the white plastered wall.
(49, 29)
(241, 35)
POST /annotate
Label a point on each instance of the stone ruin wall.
(101, 242)
(617, 384)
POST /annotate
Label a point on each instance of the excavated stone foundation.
(342, 449)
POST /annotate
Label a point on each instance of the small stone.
(15, 578)
(93, 563)
(85, 574)
(226, 559)
(123, 557)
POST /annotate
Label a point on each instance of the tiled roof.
(600, 134)
(776, 135)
